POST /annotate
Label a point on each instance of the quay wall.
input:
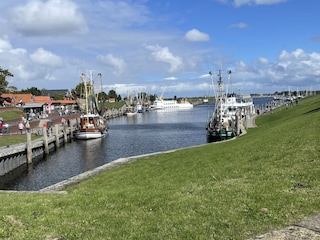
(13, 157)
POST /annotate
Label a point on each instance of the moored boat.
(229, 113)
(92, 124)
(160, 103)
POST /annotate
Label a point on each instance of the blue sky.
(160, 46)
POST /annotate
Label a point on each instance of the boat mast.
(99, 106)
(84, 80)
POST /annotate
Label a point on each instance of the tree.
(112, 94)
(102, 96)
(79, 91)
(12, 89)
(33, 90)
(153, 97)
(4, 73)
(58, 96)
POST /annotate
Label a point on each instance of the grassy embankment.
(6, 140)
(259, 182)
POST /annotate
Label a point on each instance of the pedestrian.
(1, 125)
(6, 128)
(63, 121)
(21, 127)
(28, 126)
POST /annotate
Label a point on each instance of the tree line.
(73, 94)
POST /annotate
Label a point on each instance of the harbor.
(146, 133)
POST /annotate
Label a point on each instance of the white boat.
(160, 103)
(229, 113)
(131, 112)
(92, 124)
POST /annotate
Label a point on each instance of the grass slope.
(259, 182)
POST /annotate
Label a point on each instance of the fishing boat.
(230, 111)
(131, 111)
(160, 103)
(92, 124)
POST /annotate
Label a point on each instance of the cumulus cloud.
(163, 54)
(118, 64)
(239, 3)
(292, 69)
(46, 58)
(299, 64)
(53, 17)
(195, 35)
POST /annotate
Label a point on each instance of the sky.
(162, 47)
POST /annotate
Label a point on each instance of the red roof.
(26, 97)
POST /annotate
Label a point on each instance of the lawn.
(262, 181)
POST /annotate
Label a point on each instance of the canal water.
(149, 132)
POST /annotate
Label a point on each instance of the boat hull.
(217, 136)
(86, 135)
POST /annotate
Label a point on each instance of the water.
(149, 132)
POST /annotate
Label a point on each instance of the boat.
(131, 106)
(131, 111)
(230, 112)
(205, 100)
(160, 103)
(92, 124)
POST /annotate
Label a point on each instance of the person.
(6, 128)
(28, 126)
(21, 127)
(1, 125)
(63, 121)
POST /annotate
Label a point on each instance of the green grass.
(11, 114)
(259, 182)
(6, 140)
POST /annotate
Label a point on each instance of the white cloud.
(53, 17)
(21, 72)
(238, 3)
(18, 51)
(163, 54)
(195, 35)
(5, 44)
(295, 69)
(171, 78)
(116, 63)
(46, 58)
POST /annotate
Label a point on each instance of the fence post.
(29, 148)
(56, 130)
(45, 138)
